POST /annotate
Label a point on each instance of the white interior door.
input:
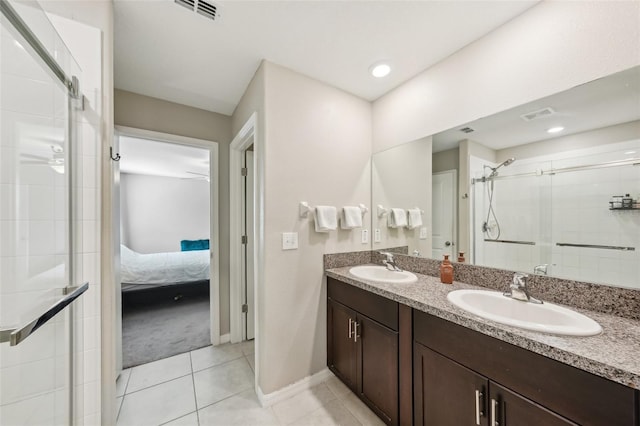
(444, 214)
(249, 247)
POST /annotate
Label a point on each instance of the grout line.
(217, 365)
(225, 398)
(195, 397)
(126, 385)
(177, 418)
(160, 383)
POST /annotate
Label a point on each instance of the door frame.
(454, 235)
(214, 234)
(247, 136)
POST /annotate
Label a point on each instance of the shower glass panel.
(36, 232)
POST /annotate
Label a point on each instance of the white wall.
(158, 212)
(401, 178)
(317, 146)
(550, 48)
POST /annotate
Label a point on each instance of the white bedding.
(163, 268)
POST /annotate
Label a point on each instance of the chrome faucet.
(518, 289)
(540, 269)
(389, 261)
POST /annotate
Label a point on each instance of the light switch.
(376, 236)
(289, 240)
(423, 233)
(365, 236)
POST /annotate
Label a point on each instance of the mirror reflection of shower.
(491, 227)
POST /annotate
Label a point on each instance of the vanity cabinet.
(462, 377)
(362, 346)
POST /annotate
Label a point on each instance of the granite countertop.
(614, 354)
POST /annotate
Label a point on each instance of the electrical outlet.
(423, 233)
(289, 240)
(365, 236)
(376, 236)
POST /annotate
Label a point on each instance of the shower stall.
(573, 215)
(40, 291)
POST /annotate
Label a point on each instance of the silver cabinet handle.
(494, 409)
(355, 331)
(16, 335)
(479, 412)
(350, 322)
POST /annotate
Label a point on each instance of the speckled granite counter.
(613, 354)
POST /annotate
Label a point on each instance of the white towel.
(326, 218)
(397, 218)
(415, 218)
(351, 217)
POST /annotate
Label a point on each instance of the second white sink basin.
(382, 274)
(546, 318)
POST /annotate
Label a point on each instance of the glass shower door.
(36, 266)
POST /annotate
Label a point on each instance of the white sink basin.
(382, 274)
(546, 318)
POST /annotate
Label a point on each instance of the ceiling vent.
(207, 9)
(541, 113)
(467, 130)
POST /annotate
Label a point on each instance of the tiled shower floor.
(214, 386)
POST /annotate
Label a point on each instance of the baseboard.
(292, 389)
(225, 338)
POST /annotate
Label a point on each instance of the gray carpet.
(156, 326)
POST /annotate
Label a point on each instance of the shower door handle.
(16, 335)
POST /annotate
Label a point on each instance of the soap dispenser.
(461, 257)
(446, 271)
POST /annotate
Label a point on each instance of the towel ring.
(382, 211)
(304, 209)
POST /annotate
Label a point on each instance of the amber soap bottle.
(446, 271)
(461, 257)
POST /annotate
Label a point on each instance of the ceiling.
(148, 157)
(163, 50)
(604, 102)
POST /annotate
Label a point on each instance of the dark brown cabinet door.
(341, 347)
(507, 408)
(445, 392)
(378, 368)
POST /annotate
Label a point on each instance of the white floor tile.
(215, 355)
(222, 381)
(156, 372)
(248, 347)
(241, 409)
(333, 413)
(118, 405)
(360, 411)
(158, 404)
(251, 359)
(303, 404)
(188, 420)
(336, 386)
(122, 381)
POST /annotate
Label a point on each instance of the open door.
(248, 232)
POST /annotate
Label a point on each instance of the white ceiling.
(148, 157)
(165, 51)
(604, 102)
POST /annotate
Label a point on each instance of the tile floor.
(214, 386)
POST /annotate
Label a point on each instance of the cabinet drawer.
(576, 394)
(378, 308)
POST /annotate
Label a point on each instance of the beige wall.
(143, 112)
(311, 153)
(550, 48)
(446, 160)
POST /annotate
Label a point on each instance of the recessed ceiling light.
(555, 129)
(380, 69)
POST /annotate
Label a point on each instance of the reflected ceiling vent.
(467, 130)
(207, 9)
(541, 113)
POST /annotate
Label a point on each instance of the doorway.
(444, 218)
(169, 246)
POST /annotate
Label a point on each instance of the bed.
(154, 270)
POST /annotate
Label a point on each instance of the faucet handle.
(520, 279)
(388, 255)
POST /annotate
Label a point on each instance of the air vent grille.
(204, 8)
(541, 113)
(467, 130)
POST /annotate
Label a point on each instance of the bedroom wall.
(144, 112)
(158, 212)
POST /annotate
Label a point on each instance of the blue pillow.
(190, 245)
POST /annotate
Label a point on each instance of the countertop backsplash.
(622, 302)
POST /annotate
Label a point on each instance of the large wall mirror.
(550, 187)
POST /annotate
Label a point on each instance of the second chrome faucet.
(518, 289)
